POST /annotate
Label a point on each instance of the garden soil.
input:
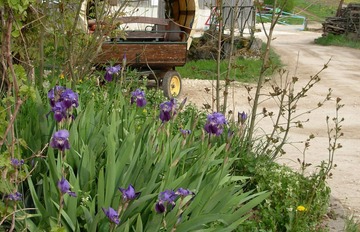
(303, 58)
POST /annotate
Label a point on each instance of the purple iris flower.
(129, 193)
(185, 132)
(230, 133)
(54, 94)
(112, 215)
(166, 199)
(17, 163)
(70, 98)
(59, 110)
(184, 192)
(138, 96)
(182, 104)
(60, 140)
(64, 187)
(15, 196)
(110, 71)
(108, 77)
(160, 207)
(242, 117)
(61, 100)
(215, 123)
(167, 110)
(168, 196)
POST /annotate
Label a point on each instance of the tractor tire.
(171, 84)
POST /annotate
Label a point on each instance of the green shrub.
(296, 203)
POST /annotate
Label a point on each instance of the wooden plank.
(144, 35)
(155, 55)
(142, 19)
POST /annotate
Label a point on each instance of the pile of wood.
(347, 22)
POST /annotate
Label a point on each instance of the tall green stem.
(60, 208)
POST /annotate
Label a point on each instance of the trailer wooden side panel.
(142, 54)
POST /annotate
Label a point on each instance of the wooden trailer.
(159, 48)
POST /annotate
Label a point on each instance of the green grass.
(244, 70)
(313, 11)
(352, 225)
(283, 20)
(317, 11)
(247, 70)
(291, 21)
(338, 40)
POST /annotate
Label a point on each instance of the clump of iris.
(167, 110)
(138, 97)
(62, 102)
(111, 71)
(215, 123)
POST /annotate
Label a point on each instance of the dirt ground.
(303, 59)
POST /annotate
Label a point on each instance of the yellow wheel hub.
(175, 85)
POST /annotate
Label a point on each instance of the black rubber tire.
(171, 84)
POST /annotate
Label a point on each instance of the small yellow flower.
(61, 76)
(145, 111)
(301, 208)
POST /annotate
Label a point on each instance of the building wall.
(245, 14)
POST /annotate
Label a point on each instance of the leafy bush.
(296, 203)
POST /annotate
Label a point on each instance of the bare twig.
(264, 67)
(12, 119)
(218, 61)
(232, 37)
